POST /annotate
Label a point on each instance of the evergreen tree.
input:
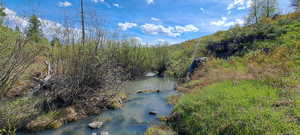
(34, 31)
(2, 15)
(17, 29)
(55, 42)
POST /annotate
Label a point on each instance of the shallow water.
(133, 118)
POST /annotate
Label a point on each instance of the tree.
(269, 8)
(17, 29)
(55, 42)
(34, 31)
(254, 12)
(2, 15)
(82, 23)
(296, 4)
(261, 9)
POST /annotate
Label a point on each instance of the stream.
(133, 118)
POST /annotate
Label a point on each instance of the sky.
(149, 21)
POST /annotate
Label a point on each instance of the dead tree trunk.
(82, 23)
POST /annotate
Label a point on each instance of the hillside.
(249, 85)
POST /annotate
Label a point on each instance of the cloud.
(150, 1)
(126, 25)
(186, 28)
(97, 1)
(225, 23)
(116, 5)
(49, 28)
(155, 19)
(240, 4)
(159, 29)
(202, 10)
(161, 42)
(64, 4)
(13, 20)
(154, 29)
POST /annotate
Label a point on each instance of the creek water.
(133, 118)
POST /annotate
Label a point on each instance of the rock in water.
(96, 124)
(148, 91)
(104, 133)
(152, 113)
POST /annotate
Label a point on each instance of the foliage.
(239, 41)
(13, 114)
(2, 15)
(34, 30)
(16, 55)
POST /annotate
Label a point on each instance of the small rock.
(96, 124)
(152, 113)
(148, 91)
(104, 133)
(139, 91)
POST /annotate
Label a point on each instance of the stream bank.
(133, 118)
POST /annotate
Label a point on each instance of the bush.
(233, 108)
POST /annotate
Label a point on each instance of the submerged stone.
(95, 124)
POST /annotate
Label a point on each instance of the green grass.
(228, 108)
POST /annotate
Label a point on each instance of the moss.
(44, 121)
(55, 124)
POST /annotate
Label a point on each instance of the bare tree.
(82, 22)
(15, 59)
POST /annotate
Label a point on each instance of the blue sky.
(151, 21)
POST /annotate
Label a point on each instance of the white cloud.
(162, 41)
(154, 29)
(186, 28)
(13, 20)
(64, 4)
(97, 1)
(116, 5)
(202, 10)
(49, 28)
(225, 23)
(150, 1)
(240, 4)
(155, 19)
(126, 25)
(159, 29)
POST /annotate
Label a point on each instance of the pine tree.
(55, 42)
(2, 15)
(34, 31)
(17, 29)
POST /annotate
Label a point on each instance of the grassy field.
(251, 92)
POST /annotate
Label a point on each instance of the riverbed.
(133, 118)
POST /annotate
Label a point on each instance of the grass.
(159, 130)
(234, 108)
